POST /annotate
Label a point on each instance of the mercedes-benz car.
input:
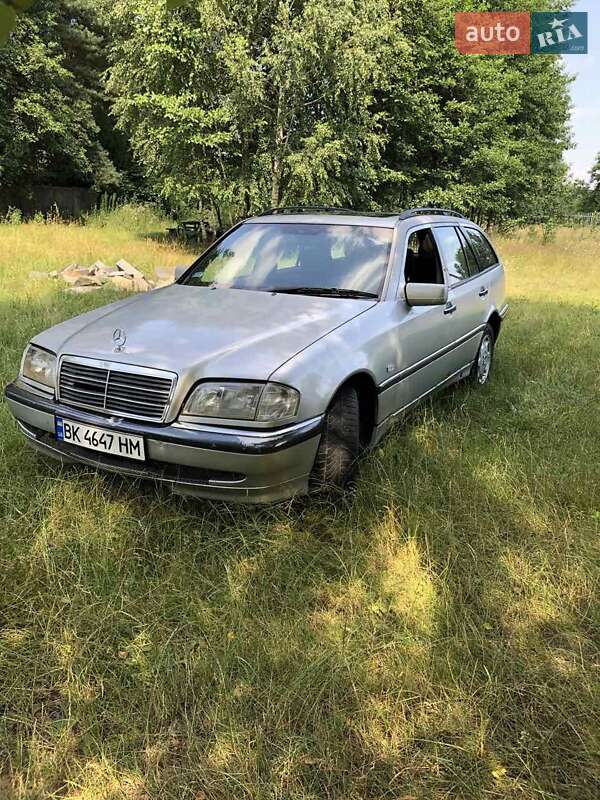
(286, 350)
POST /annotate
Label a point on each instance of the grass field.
(436, 635)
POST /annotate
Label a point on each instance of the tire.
(339, 448)
(482, 366)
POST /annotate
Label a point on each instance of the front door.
(424, 332)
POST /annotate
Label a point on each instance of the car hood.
(200, 332)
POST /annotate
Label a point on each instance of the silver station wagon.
(284, 352)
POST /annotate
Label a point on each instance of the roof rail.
(318, 209)
(410, 212)
(426, 210)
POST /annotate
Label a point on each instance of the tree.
(593, 200)
(51, 101)
(577, 196)
(255, 103)
(357, 102)
(482, 134)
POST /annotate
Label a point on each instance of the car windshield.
(298, 258)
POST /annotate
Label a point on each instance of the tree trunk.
(277, 165)
(219, 220)
(276, 182)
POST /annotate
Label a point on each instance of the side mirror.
(180, 269)
(426, 294)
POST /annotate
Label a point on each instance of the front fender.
(362, 345)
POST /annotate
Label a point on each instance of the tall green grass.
(434, 635)
(130, 217)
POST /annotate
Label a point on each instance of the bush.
(14, 216)
(548, 231)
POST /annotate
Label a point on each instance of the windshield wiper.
(322, 291)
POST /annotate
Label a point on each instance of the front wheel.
(335, 462)
(482, 366)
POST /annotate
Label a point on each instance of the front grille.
(128, 391)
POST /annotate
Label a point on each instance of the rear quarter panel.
(498, 287)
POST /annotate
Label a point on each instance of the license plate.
(117, 444)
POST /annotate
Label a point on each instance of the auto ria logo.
(521, 33)
(559, 33)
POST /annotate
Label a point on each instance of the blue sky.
(585, 93)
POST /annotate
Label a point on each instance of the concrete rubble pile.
(123, 276)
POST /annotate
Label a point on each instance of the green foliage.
(8, 20)
(576, 197)
(51, 105)
(582, 196)
(8, 15)
(593, 200)
(358, 102)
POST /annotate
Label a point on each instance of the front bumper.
(246, 465)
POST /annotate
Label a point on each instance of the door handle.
(449, 308)
(483, 291)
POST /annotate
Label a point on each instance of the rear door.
(490, 282)
(464, 309)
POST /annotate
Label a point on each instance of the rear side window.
(452, 254)
(469, 254)
(483, 249)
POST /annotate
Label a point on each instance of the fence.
(69, 201)
(591, 219)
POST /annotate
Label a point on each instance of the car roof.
(340, 216)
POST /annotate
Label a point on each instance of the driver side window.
(423, 263)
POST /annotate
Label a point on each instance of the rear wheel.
(482, 366)
(335, 462)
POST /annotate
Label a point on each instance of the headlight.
(39, 365)
(230, 400)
